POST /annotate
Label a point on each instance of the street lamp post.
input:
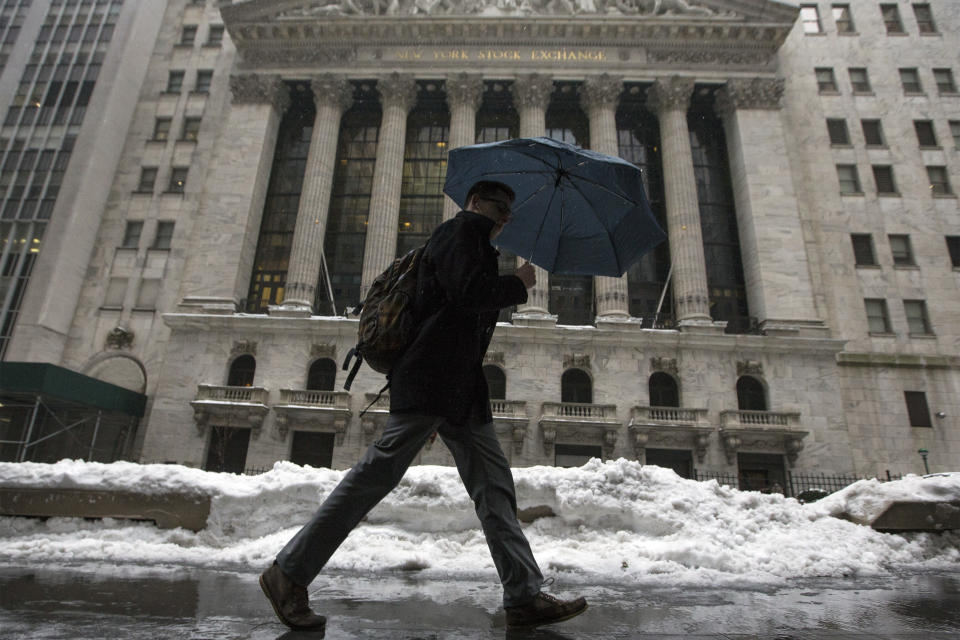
(923, 454)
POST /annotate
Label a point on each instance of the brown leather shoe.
(544, 609)
(289, 600)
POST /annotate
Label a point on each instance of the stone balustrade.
(253, 395)
(758, 419)
(312, 398)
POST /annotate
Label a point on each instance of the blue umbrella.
(576, 211)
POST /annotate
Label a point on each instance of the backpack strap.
(379, 395)
(356, 367)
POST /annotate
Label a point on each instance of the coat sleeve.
(467, 277)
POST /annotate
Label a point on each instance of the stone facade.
(834, 390)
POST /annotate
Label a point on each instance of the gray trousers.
(485, 474)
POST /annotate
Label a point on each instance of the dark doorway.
(241, 372)
(312, 448)
(663, 390)
(228, 449)
(322, 375)
(575, 386)
(575, 455)
(496, 382)
(762, 472)
(677, 459)
(751, 395)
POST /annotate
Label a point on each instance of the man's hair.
(488, 189)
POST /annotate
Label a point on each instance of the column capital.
(397, 89)
(258, 88)
(464, 89)
(333, 90)
(601, 92)
(532, 90)
(671, 93)
(749, 93)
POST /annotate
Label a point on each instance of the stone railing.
(509, 409)
(758, 419)
(308, 398)
(579, 411)
(213, 393)
(671, 427)
(668, 415)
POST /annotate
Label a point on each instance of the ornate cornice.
(397, 89)
(601, 92)
(255, 88)
(749, 93)
(671, 93)
(532, 90)
(464, 89)
(333, 90)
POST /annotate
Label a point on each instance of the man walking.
(438, 386)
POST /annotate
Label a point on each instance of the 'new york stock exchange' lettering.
(495, 55)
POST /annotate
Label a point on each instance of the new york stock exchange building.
(803, 316)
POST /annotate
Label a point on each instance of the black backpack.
(389, 318)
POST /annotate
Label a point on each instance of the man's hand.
(527, 274)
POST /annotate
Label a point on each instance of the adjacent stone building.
(267, 159)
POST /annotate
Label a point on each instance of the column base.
(533, 319)
(707, 326)
(209, 304)
(619, 323)
(285, 310)
(795, 328)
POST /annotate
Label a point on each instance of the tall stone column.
(398, 93)
(531, 95)
(464, 92)
(778, 276)
(333, 95)
(599, 97)
(236, 189)
(669, 98)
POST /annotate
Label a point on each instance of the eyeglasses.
(502, 207)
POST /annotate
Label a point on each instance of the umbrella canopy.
(575, 212)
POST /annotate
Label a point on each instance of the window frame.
(187, 122)
(859, 86)
(204, 81)
(919, 7)
(946, 191)
(162, 239)
(215, 41)
(175, 79)
(883, 178)
(862, 245)
(832, 124)
(881, 305)
(953, 250)
(931, 142)
(161, 133)
(837, 21)
(826, 88)
(188, 35)
(918, 411)
(872, 129)
(890, 13)
(854, 178)
(907, 90)
(810, 14)
(147, 182)
(132, 232)
(902, 255)
(919, 315)
(947, 88)
(178, 180)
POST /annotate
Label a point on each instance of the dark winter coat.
(461, 293)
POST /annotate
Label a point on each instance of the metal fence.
(799, 483)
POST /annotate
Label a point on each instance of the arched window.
(241, 371)
(751, 395)
(496, 382)
(575, 386)
(663, 390)
(322, 375)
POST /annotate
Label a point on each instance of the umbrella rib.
(604, 187)
(613, 244)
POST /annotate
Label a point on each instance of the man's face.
(497, 208)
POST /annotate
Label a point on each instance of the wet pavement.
(77, 603)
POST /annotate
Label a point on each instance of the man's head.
(491, 200)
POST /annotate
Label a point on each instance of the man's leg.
(486, 475)
(372, 478)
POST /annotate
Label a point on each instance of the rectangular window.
(939, 181)
(178, 180)
(147, 296)
(191, 128)
(891, 18)
(901, 250)
(883, 178)
(116, 290)
(924, 18)
(910, 80)
(148, 177)
(164, 235)
(204, 78)
(926, 136)
(810, 17)
(859, 80)
(826, 83)
(161, 129)
(175, 82)
(918, 323)
(575, 455)
(955, 133)
(837, 129)
(873, 133)
(131, 235)
(878, 321)
(188, 35)
(843, 18)
(849, 180)
(953, 248)
(917, 408)
(863, 253)
(944, 80)
(215, 35)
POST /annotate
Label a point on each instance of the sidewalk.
(137, 603)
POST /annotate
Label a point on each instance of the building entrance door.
(762, 472)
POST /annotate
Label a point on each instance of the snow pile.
(616, 521)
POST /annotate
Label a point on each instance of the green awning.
(50, 380)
